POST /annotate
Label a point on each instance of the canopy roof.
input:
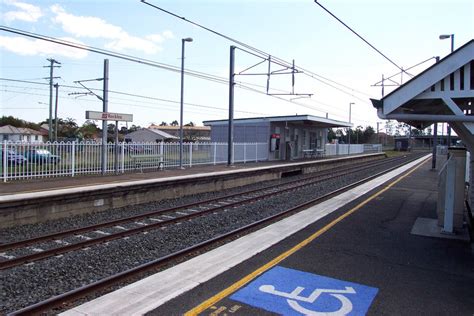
(306, 120)
(442, 93)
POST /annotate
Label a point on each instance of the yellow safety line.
(234, 287)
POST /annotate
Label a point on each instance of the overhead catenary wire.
(357, 34)
(120, 93)
(257, 52)
(164, 66)
(194, 73)
(238, 84)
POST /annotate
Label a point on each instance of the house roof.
(12, 130)
(157, 132)
(297, 119)
(173, 128)
(161, 133)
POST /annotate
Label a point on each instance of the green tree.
(89, 130)
(16, 122)
(331, 135)
(68, 128)
(174, 123)
(367, 134)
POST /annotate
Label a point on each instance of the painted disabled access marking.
(292, 292)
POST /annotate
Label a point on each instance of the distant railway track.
(76, 239)
(113, 280)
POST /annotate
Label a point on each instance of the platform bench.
(313, 153)
(139, 161)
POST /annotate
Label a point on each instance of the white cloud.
(27, 47)
(85, 26)
(27, 12)
(94, 27)
(168, 34)
(126, 41)
(160, 38)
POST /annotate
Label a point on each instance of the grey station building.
(287, 136)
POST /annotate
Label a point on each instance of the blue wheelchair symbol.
(292, 292)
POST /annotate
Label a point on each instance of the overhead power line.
(259, 52)
(197, 74)
(359, 36)
(119, 93)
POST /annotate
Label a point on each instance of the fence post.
(123, 156)
(233, 153)
(256, 152)
(73, 158)
(190, 155)
(215, 152)
(4, 161)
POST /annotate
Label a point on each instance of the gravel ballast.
(25, 285)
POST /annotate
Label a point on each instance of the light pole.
(442, 37)
(445, 36)
(187, 39)
(349, 131)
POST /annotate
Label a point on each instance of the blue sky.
(406, 31)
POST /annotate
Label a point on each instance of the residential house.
(149, 135)
(20, 134)
(190, 133)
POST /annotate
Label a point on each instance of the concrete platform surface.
(367, 262)
(353, 254)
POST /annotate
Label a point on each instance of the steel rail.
(124, 275)
(113, 236)
(75, 231)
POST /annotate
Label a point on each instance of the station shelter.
(442, 93)
(288, 137)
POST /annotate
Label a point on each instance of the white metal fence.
(346, 149)
(41, 160)
(34, 160)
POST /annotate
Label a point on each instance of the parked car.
(13, 158)
(42, 156)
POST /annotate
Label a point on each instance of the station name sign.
(108, 116)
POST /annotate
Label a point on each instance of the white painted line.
(120, 227)
(167, 216)
(141, 223)
(181, 213)
(155, 290)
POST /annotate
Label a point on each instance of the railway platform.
(353, 254)
(35, 201)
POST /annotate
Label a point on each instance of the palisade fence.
(346, 149)
(40, 160)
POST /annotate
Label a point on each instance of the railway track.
(80, 238)
(113, 280)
